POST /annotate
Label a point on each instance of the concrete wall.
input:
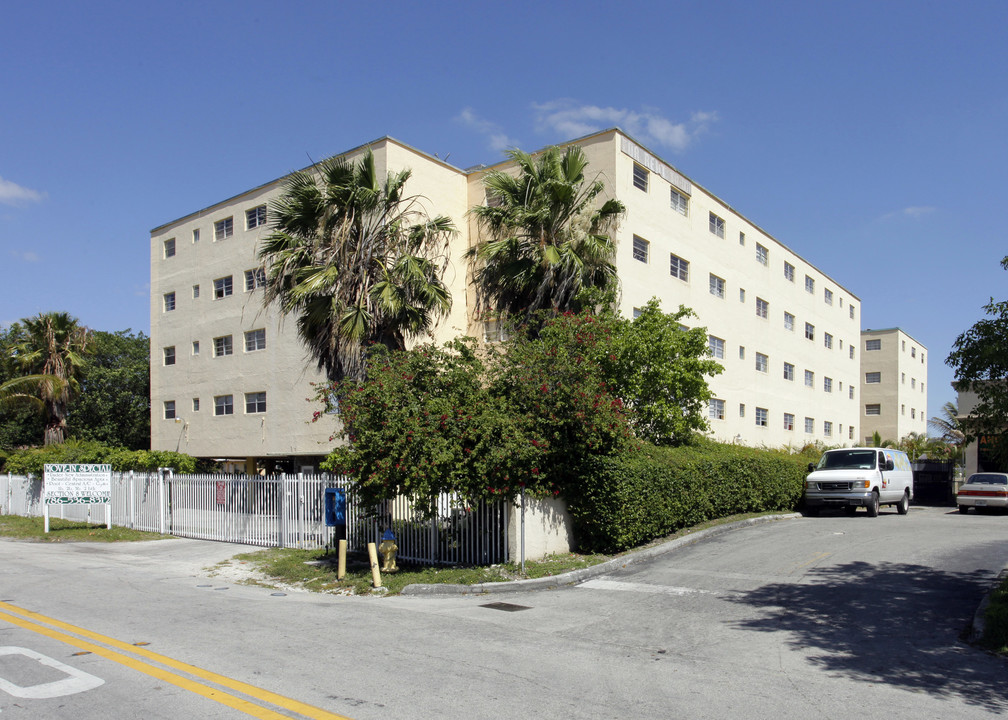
(547, 529)
(901, 393)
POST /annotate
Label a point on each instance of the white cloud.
(914, 212)
(13, 194)
(499, 141)
(572, 119)
(25, 255)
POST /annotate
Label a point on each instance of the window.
(255, 403)
(195, 291)
(169, 247)
(195, 235)
(741, 294)
(223, 287)
(640, 249)
(169, 355)
(850, 432)
(195, 404)
(195, 347)
(902, 409)
(873, 409)
(913, 383)
(637, 313)
(169, 409)
(716, 346)
(828, 296)
(741, 352)
(761, 417)
(762, 308)
(255, 340)
(788, 371)
(715, 408)
(717, 225)
(762, 255)
(680, 203)
(788, 271)
(809, 284)
(827, 384)
(223, 346)
(873, 345)
(640, 177)
(809, 378)
(254, 278)
(903, 345)
(223, 405)
(873, 377)
(827, 428)
(741, 238)
(255, 217)
(223, 228)
(828, 341)
(762, 363)
(852, 312)
(678, 268)
(809, 425)
(809, 331)
(903, 378)
(494, 330)
(716, 286)
(913, 352)
(851, 352)
(788, 321)
(850, 391)
(913, 413)
(741, 410)
(169, 302)
(788, 421)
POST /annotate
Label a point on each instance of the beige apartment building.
(893, 384)
(229, 380)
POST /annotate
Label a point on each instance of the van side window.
(881, 460)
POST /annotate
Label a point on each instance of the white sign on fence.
(66, 484)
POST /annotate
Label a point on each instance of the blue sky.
(869, 137)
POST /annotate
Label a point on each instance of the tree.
(979, 359)
(114, 402)
(52, 344)
(356, 261)
(948, 426)
(21, 419)
(659, 370)
(548, 237)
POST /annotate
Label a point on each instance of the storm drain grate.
(506, 607)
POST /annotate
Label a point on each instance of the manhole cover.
(506, 607)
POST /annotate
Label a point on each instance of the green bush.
(31, 461)
(628, 500)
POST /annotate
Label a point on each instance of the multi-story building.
(229, 380)
(893, 385)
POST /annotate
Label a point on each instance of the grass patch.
(33, 530)
(315, 570)
(995, 635)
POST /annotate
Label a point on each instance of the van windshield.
(847, 460)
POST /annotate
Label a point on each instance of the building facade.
(231, 381)
(893, 385)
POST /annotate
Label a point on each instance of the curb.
(976, 629)
(577, 576)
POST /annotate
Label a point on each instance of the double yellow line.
(50, 627)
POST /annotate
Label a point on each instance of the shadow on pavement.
(891, 623)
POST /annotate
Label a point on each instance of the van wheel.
(873, 504)
(903, 506)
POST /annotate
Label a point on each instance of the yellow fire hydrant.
(388, 550)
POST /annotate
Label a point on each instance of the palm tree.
(49, 348)
(356, 261)
(949, 428)
(547, 236)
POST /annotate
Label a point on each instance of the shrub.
(32, 461)
(627, 500)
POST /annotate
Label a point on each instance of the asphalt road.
(827, 617)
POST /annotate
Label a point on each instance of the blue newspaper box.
(335, 507)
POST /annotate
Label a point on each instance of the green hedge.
(30, 461)
(626, 501)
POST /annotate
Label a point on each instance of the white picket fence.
(276, 511)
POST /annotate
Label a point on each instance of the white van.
(854, 477)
